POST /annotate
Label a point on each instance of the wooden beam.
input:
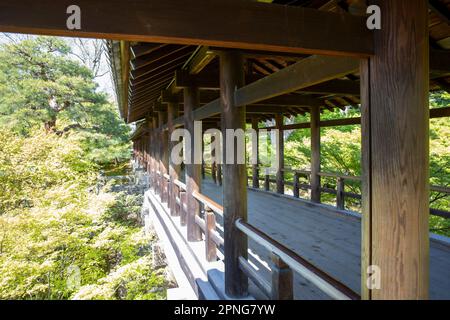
(156, 55)
(144, 48)
(344, 87)
(234, 175)
(315, 155)
(199, 60)
(434, 113)
(440, 61)
(395, 133)
(174, 58)
(303, 74)
(231, 24)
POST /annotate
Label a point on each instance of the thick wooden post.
(296, 185)
(255, 154)
(164, 158)
(193, 170)
(395, 131)
(155, 148)
(340, 198)
(174, 169)
(234, 175)
(282, 279)
(213, 159)
(280, 154)
(203, 156)
(315, 155)
(210, 245)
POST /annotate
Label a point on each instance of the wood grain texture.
(315, 155)
(234, 175)
(174, 169)
(399, 151)
(231, 24)
(193, 171)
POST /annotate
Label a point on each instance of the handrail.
(440, 189)
(322, 280)
(180, 185)
(214, 206)
(341, 176)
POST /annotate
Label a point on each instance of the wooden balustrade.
(284, 261)
(340, 192)
(208, 225)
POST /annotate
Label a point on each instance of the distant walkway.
(329, 240)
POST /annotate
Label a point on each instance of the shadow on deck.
(329, 239)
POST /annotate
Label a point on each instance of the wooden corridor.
(328, 239)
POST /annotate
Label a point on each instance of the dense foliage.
(41, 85)
(60, 236)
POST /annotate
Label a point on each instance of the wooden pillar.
(193, 170)
(234, 175)
(174, 169)
(280, 154)
(164, 156)
(213, 158)
(219, 145)
(155, 148)
(203, 155)
(255, 153)
(315, 154)
(282, 279)
(395, 131)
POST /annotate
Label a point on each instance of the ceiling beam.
(305, 73)
(231, 24)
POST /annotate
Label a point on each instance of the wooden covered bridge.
(235, 232)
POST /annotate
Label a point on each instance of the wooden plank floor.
(329, 240)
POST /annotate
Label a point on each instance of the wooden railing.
(283, 260)
(340, 190)
(207, 224)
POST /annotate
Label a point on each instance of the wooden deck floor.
(328, 239)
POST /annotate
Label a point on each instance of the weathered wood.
(213, 159)
(282, 279)
(267, 182)
(236, 24)
(182, 208)
(193, 170)
(303, 74)
(210, 245)
(315, 155)
(296, 185)
(234, 175)
(340, 196)
(280, 153)
(164, 157)
(174, 169)
(203, 157)
(255, 153)
(396, 153)
(328, 239)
